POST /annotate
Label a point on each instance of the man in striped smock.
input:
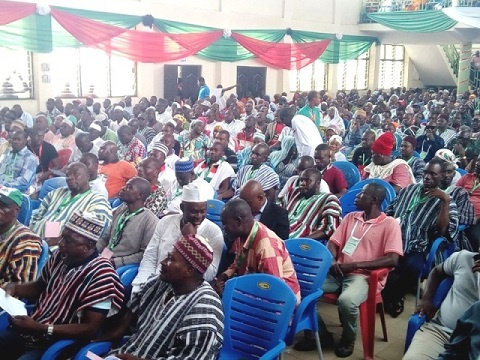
(75, 292)
(312, 213)
(424, 212)
(20, 248)
(179, 314)
(257, 170)
(59, 205)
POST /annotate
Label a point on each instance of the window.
(16, 74)
(353, 74)
(85, 71)
(311, 77)
(391, 66)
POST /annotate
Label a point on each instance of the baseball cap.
(10, 196)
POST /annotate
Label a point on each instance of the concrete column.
(374, 67)
(464, 68)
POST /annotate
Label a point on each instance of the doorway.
(181, 80)
(251, 81)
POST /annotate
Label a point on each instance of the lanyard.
(67, 202)
(122, 222)
(364, 162)
(250, 240)
(476, 185)
(252, 173)
(364, 233)
(417, 200)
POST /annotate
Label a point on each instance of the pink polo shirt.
(467, 182)
(378, 237)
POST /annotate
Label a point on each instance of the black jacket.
(276, 219)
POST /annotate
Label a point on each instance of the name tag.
(351, 245)
(423, 154)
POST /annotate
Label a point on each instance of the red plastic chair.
(367, 312)
(64, 156)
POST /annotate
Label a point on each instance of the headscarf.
(337, 138)
(287, 144)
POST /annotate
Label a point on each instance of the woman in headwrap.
(284, 160)
(181, 122)
(194, 142)
(335, 143)
(334, 119)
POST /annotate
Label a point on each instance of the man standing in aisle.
(204, 91)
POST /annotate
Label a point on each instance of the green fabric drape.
(414, 21)
(121, 20)
(224, 49)
(348, 48)
(32, 33)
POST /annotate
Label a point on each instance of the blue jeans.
(13, 347)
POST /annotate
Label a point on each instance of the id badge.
(423, 154)
(351, 245)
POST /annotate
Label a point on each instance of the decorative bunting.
(283, 55)
(13, 11)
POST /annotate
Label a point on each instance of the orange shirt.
(117, 175)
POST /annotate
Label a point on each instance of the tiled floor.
(391, 350)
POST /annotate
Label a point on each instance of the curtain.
(136, 45)
(283, 55)
(32, 33)
(348, 48)
(121, 20)
(414, 21)
(12, 11)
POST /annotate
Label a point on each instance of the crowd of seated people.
(138, 179)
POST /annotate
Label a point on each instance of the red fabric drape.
(11, 11)
(136, 45)
(283, 55)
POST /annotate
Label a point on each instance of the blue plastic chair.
(44, 257)
(25, 212)
(48, 185)
(214, 209)
(347, 201)
(127, 273)
(391, 194)
(427, 267)
(116, 203)
(350, 171)
(258, 308)
(416, 320)
(462, 171)
(311, 261)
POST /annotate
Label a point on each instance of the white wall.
(328, 16)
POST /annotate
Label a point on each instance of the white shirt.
(324, 188)
(224, 171)
(173, 205)
(115, 125)
(307, 136)
(163, 118)
(77, 154)
(27, 119)
(98, 185)
(234, 127)
(168, 181)
(98, 142)
(167, 232)
(171, 160)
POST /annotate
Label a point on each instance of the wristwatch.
(50, 330)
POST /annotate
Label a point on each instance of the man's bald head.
(108, 152)
(142, 186)
(237, 218)
(253, 194)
